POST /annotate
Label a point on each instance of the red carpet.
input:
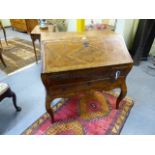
(82, 115)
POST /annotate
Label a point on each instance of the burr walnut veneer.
(74, 63)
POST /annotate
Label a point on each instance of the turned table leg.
(34, 38)
(122, 94)
(49, 108)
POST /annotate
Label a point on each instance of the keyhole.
(85, 42)
(117, 75)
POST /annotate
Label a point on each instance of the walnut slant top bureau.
(74, 63)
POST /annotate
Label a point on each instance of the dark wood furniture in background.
(74, 63)
(19, 24)
(31, 23)
(24, 25)
(5, 91)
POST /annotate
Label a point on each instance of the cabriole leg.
(122, 94)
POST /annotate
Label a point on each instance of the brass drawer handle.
(117, 74)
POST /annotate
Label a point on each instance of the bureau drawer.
(61, 78)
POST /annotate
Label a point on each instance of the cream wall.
(130, 31)
(6, 22)
(152, 51)
(71, 25)
(127, 27)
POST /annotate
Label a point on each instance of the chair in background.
(5, 91)
(3, 29)
(1, 57)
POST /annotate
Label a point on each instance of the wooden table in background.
(79, 62)
(36, 34)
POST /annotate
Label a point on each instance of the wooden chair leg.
(14, 101)
(5, 35)
(1, 58)
(1, 43)
(9, 93)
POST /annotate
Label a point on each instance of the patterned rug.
(19, 53)
(81, 115)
